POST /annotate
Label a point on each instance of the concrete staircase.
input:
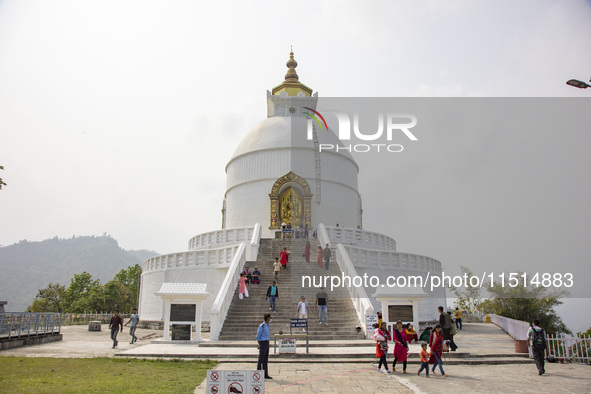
(245, 315)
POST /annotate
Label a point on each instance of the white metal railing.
(222, 302)
(73, 319)
(359, 237)
(220, 237)
(208, 258)
(569, 348)
(20, 324)
(252, 249)
(358, 295)
(363, 257)
(516, 328)
(564, 347)
(322, 235)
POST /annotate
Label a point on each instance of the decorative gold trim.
(274, 197)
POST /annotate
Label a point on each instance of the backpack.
(539, 342)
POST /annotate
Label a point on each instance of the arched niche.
(294, 190)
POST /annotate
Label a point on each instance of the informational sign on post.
(244, 382)
(298, 323)
(370, 320)
(287, 345)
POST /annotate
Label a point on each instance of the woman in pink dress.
(242, 289)
(307, 252)
(283, 256)
(400, 347)
(319, 259)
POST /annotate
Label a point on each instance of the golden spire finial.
(291, 75)
(292, 85)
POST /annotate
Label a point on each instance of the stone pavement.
(362, 377)
(477, 339)
(333, 375)
(78, 342)
(322, 378)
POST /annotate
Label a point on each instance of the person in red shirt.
(283, 256)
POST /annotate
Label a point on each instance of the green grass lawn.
(53, 375)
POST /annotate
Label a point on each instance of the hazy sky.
(120, 116)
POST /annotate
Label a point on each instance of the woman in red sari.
(401, 347)
(283, 256)
(307, 252)
(382, 345)
(436, 345)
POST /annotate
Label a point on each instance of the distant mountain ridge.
(26, 267)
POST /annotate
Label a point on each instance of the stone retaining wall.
(27, 341)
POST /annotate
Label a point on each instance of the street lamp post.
(578, 84)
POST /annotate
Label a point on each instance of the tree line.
(85, 294)
(521, 302)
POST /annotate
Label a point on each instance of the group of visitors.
(280, 263)
(247, 277)
(447, 328)
(116, 324)
(302, 309)
(401, 340)
(254, 277)
(440, 339)
(324, 255)
(287, 231)
(437, 340)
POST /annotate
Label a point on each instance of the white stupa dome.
(281, 155)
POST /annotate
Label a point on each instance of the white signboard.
(243, 382)
(369, 322)
(287, 345)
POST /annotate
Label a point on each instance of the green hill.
(27, 267)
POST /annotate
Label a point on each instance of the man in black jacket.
(446, 326)
(272, 295)
(116, 322)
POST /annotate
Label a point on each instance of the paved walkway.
(476, 339)
(357, 375)
(322, 378)
(354, 378)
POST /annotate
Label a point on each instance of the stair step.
(244, 316)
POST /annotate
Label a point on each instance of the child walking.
(424, 359)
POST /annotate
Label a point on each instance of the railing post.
(20, 325)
